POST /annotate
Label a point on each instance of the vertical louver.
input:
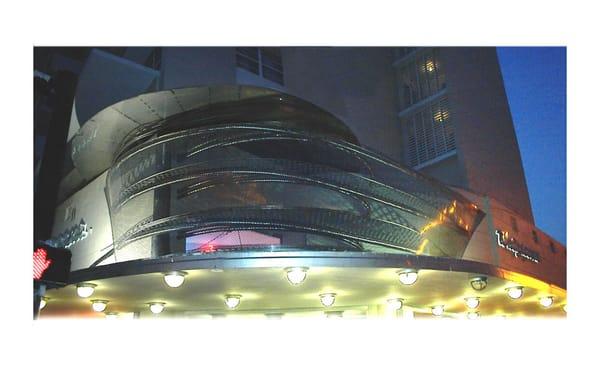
(429, 132)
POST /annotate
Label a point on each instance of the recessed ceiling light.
(437, 310)
(327, 299)
(85, 289)
(99, 305)
(157, 307)
(232, 301)
(408, 276)
(473, 315)
(515, 292)
(472, 302)
(43, 302)
(395, 303)
(174, 279)
(296, 275)
(546, 301)
(479, 283)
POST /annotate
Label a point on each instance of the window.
(429, 133)
(420, 78)
(552, 248)
(263, 61)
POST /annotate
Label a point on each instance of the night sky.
(535, 82)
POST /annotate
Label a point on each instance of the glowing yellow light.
(232, 301)
(430, 66)
(546, 301)
(408, 277)
(395, 303)
(472, 302)
(99, 305)
(296, 275)
(473, 315)
(515, 292)
(437, 310)
(422, 247)
(327, 299)
(429, 226)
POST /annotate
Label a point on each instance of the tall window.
(429, 133)
(263, 61)
(420, 78)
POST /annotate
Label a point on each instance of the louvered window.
(263, 61)
(429, 133)
(420, 78)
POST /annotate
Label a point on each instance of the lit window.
(429, 133)
(420, 78)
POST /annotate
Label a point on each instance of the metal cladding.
(275, 166)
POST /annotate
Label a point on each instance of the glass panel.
(253, 188)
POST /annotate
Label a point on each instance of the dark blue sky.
(535, 82)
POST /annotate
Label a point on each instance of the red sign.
(40, 263)
(51, 265)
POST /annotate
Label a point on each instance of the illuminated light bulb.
(408, 277)
(157, 307)
(99, 305)
(232, 301)
(437, 310)
(546, 301)
(479, 283)
(111, 315)
(296, 275)
(43, 302)
(515, 292)
(472, 315)
(174, 279)
(472, 302)
(85, 289)
(327, 299)
(395, 304)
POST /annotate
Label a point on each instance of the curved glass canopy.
(243, 178)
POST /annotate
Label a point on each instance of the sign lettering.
(518, 250)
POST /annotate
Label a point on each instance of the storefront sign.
(72, 235)
(518, 250)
